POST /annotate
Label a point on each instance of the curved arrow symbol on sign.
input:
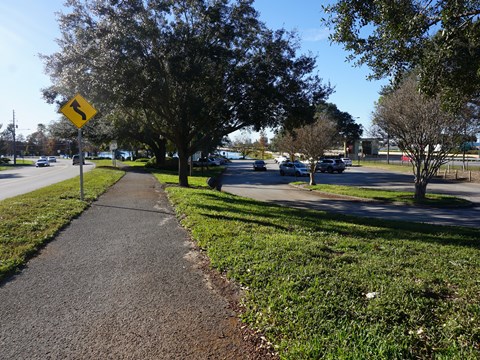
(75, 105)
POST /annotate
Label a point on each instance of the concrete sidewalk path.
(119, 283)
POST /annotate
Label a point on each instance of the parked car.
(259, 165)
(296, 161)
(280, 159)
(76, 160)
(214, 161)
(42, 163)
(205, 162)
(331, 165)
(52, 159)
(347, 161)
(222, 160)
(4, 160)
(293, 168)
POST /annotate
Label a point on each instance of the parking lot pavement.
(271, 187)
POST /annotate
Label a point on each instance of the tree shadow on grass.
(234, 208)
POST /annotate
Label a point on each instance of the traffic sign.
(78, 111)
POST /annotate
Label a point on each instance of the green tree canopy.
(439, 38)
(197, 69)
(346, 126)
(347, 129)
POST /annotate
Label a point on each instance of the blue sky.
(29, 27)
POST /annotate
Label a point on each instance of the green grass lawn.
(404, 167)
(28, 221)
(317, 285)
(322, 285)
(20, 162)
(390, 196)
(198, 179)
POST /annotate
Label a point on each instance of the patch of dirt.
(460, 175)
(256, 346)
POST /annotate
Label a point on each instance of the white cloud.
(314, 35)
(9, 38)
(12, 30)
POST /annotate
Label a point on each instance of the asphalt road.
(24, 179)
(269, 186)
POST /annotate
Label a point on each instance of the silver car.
(331, 165)
(294, 168)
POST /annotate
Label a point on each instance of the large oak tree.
(439, 38)
(196, 69)
(348, 130)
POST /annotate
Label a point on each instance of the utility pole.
(14, 142)
(388, 148)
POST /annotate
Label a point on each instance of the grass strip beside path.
(198, 180)
(322, 285)
(402, 167)
(28, 221)
(20, 162)
(390, 196)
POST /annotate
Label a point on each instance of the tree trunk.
(162, 145)
(159, 148)
(312, 175)
(420, 190)
(183, 168)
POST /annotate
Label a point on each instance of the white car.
(347, 161)
(280, 159)
(42, 163)
(52, 159)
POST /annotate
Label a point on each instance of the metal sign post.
(113, 148)
(79, 112)
(80, 156)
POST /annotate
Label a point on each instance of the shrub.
(170, 164)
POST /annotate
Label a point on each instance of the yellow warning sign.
(78, 111)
